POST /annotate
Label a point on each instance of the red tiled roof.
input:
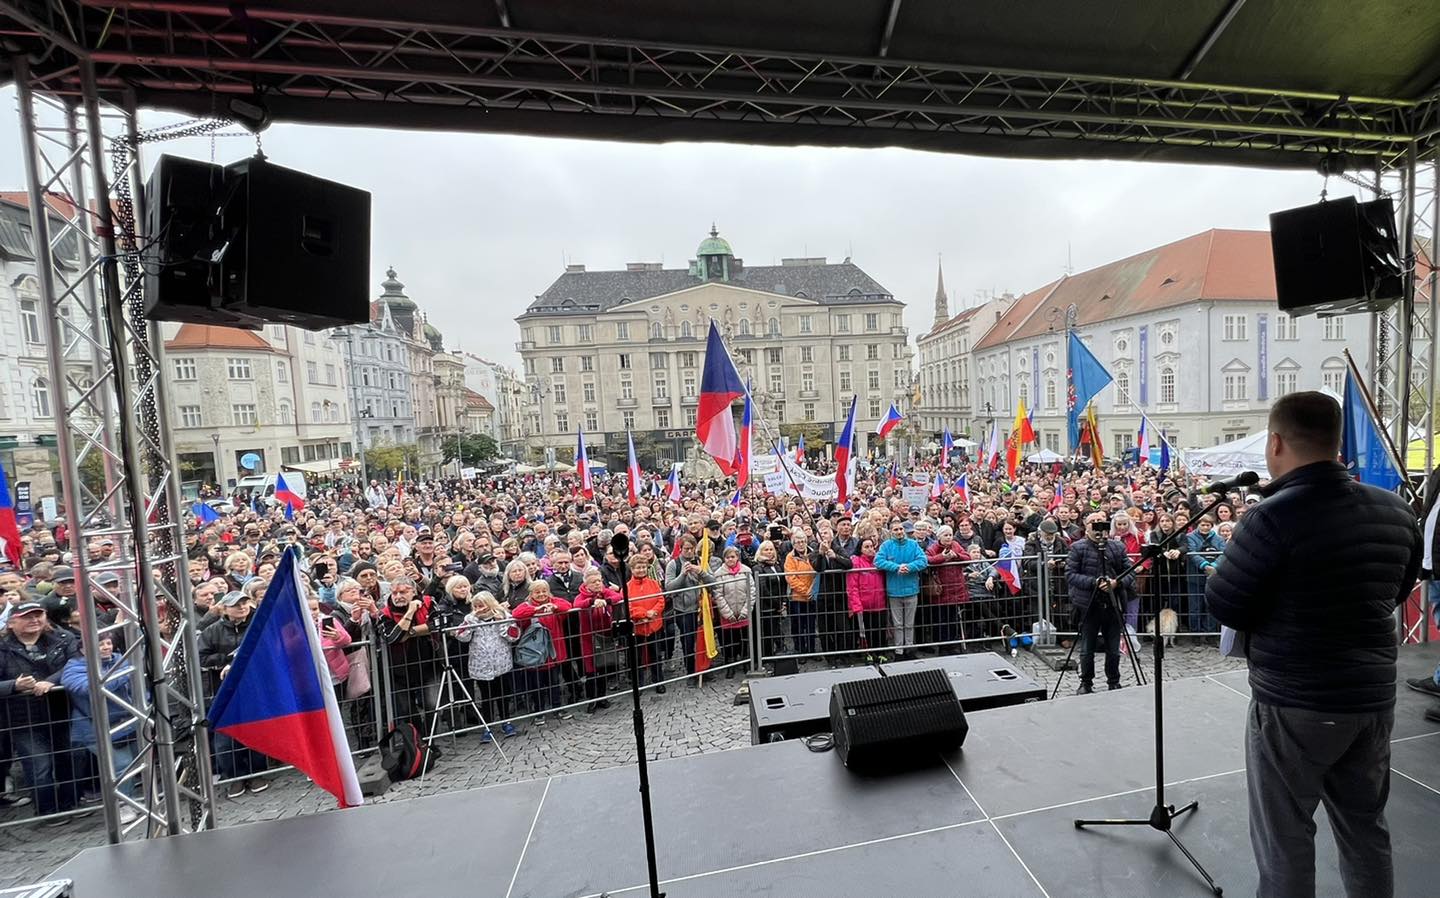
(478, 402)
(55, 201)
(950, 322)
(210, 336)
(1215, 265)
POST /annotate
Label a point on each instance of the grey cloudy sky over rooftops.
(477, 225)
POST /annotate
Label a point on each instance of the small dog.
(1169, 623)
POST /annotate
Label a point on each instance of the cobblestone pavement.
(682, 722)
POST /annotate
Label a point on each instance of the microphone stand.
(624, 628)
(1162, 815)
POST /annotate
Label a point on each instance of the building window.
(872, 379)
(1285, 382)
(289, 455)
(808, 409)
(238, 369)
(657, 361)
(184, 369)
(774, 327)
(1332, 373)
(902, 378)
(1123, 440)
(874, 408)
(807, 354)
(30, 321)
(690, 417)
(845, 381)
(1237, 327)
(190, 416)
(282, 372)
(1285, 327)
(686, 332)
(315, 417)
(627, 388)
(744, 327)
(312, 372)
(557, 364)
(656, 331)
(1052, 441)
(687, 360)
(559, 391)
(40, 398)
(628, 419)
(624, 360)
(844, 355)
(242, 414)
(587, 363)
(747, 356)
(553, 332)
(872, 351)
(777, 381)
(587, 391)
(772, 356)
(1236, 386)
(1167, 385)
(662, 418)
(1122, 390)
(585, 333)
(807, 324)
(529, 366)
(807, 380)
(1051, 393)
(330, 375)
(842, 324)
(284, 409)
(562, 422)
(661, 386)
(332, 413)
(622, 331)
(687, 384)
(1334, 328)
(872, 322)
(592, 421)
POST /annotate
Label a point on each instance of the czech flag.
(289, 511)
(287, 496)
(742, 450)
(1008, 567)
(1164, 452)
(9, 528)
(962, 488)
(204, 514)
(720, 385)
(277, 698)
(632, 472)
(800, 451)
(672, 486)
(843, 450)
(992, 447)
(889, 422)
(582, 467)
(894, 475)
(946, 445)
(1142, 441)
(937, 485)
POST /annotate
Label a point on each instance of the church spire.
(942, 302)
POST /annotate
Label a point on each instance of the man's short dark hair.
(1309, 421)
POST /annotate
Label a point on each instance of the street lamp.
(348, 338)
(219, 482)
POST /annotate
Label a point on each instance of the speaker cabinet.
(299, 250)
(878, 722)
(1336, 257)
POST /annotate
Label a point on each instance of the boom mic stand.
(1162, 815)
(624, 628)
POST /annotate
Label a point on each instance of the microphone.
(1244, 478)
(620, 545)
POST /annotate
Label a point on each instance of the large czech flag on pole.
(582, 467)
(889, 422)
(844, 449)
(742, 449)
(277, 698)
(9, 529)
(946, 444)
(286, 496)
(632, 471)
(720, 385)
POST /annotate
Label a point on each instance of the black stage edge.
(994, 819)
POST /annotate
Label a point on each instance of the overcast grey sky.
(477, 225)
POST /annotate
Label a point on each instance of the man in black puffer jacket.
(1312, 576)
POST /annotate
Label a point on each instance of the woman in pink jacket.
(333, 643)
(866, 587)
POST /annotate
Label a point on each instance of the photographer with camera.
(1091, 570)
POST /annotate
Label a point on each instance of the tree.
(392, 460)
(475, 449)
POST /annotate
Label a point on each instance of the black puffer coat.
(1312, 575)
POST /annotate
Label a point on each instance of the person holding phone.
(334, 640)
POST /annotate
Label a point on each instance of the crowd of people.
(512, 585)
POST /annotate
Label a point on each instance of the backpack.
(404, 754)
(534, 647)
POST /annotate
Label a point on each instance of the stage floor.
(994, 819)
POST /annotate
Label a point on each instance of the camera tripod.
(452, 694)
(1162, 815)
(1114, 606)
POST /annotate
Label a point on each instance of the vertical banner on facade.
(1034, 376)
(24, 510)
(1144, 365)
(1262, 327)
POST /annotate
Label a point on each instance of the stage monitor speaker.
(877, 721)
(179, 240)
(300, 250)
(1336, 257)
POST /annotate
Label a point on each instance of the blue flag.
(1086, 377)
(258, 505)
(204, 514)
(1164, 452)
(289, 512)
(1361, 447)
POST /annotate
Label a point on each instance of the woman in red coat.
(947, 563)
(540, 684)
(865, 586)
(593, 606)
(647, 609)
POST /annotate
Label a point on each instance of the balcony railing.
(626, 403)
(524, 345)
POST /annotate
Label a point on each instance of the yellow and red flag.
(1022, 433)
(705, 646)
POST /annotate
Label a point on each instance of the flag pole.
(1395, 457)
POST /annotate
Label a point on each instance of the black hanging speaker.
(1336, 257)
(299, 250)
(883, 720)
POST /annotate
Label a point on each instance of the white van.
(264, 485)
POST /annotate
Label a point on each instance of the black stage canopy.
(1285, 83)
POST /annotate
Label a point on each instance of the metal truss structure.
(109, 404)
(82, 66)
